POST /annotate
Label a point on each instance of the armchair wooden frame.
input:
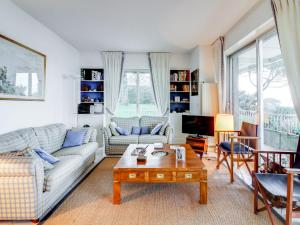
(244, 155)
(276, 157)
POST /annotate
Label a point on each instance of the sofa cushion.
(152, 121)
(124, 140)
(11, 142)
(84, 150)
(51, 137)
(56, 176)
(151, 139)
(18, 140)
(126, 123)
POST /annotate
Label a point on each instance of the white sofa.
(116, 145)
(27, 192)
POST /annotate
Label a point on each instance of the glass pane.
(245, 86)
(127, 106)
(281, 126)
(147, 104)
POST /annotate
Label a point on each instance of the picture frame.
(22, 72)
(195, 82)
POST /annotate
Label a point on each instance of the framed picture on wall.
(22, 72)
(195, 82)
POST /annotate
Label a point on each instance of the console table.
(198, 144)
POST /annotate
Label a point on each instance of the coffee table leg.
(117, 193)
(203, 192)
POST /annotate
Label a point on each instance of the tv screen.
(200, 125)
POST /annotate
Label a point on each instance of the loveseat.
(27, 191)
(116, 145)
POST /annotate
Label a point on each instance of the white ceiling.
(138, 25)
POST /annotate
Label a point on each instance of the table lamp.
(224, 122)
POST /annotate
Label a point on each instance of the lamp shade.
(224, 122)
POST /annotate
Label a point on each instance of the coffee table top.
(168, 162)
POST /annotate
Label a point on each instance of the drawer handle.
(132, 176)
(160, 176)
(188, 176)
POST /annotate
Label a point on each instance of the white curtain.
(113, 63)
(160, 72)
(218, 70)
(287, 18)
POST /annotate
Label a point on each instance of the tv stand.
(198, 143)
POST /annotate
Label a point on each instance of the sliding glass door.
(245, 86)
(261, 93)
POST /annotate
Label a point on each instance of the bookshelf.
(91, 91)
(180, 91)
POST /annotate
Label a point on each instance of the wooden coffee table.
(160, 170)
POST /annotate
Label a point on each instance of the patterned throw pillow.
(122, 131)
(13, 154)
(156, 129)
(163, 129)
(113, 129)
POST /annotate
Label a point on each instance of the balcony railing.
(287, 123)
(280, 130)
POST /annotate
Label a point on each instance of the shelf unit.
(180, 86)
(91, 89)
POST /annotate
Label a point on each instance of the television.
(199, 125)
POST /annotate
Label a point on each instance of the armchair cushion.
(238, 147)
(276, 185)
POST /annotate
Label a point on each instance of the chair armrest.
(275, 152)
(21, 182)
(168, 133)
(291, 170)
(106, 132)
(93, 137)
(20, 166)
(244, 137)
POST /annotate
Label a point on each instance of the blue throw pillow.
(74, 138)
(46, 156)
(156, 129)
(136, 130)
(122, 131)
(145, 130)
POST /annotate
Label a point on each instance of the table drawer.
(188, 176)
(133, 176)
(160, 176)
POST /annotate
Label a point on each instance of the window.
(261, 93)
(136, 96)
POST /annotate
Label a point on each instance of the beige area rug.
(155, 204)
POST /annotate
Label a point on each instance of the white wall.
(62, 60)
(260, 14)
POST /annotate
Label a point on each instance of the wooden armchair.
(276, 182)
(238, 146)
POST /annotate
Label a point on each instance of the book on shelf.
(182, 75)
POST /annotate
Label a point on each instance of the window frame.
(138, 72)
